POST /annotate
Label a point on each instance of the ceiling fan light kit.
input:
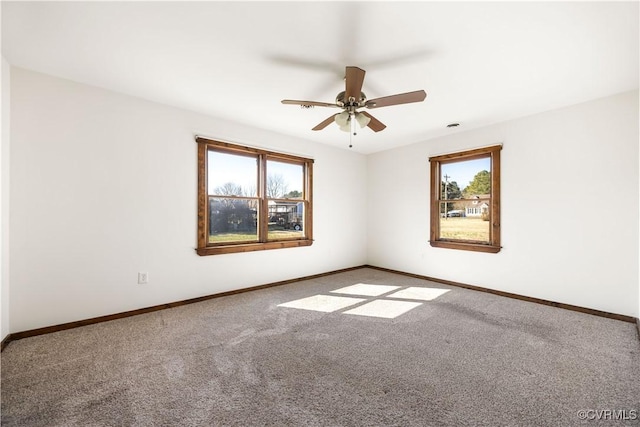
(362, 119)
(352, 99)
(344, 120)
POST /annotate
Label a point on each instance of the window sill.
(465, 246)
(250, 247)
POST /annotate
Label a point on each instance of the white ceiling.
(479, 62)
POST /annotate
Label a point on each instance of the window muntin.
(465, 200)
(251, 199)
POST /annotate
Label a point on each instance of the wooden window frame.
(204, 247)
(493, 246)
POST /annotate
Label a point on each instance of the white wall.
(569, 207)
(103, 186)
(4, 199)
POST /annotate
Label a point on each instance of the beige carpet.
(359, 348)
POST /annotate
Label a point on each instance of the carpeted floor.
(404, 352)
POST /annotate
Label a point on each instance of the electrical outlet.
(143, 278)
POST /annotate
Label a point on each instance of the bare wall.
(569, 207)
(103, 186)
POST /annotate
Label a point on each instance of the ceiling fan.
(352, 98)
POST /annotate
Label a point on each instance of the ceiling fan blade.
(308, 103)
(325, 123)
(402, 98)
(354, 77)
(375, 124)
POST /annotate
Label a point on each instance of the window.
(251, 199)
(465, 200)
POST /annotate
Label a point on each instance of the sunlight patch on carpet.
(324, 303)
(365, 289)
(384, 308)
(422, 294)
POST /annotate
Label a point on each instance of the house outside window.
(251, 199)
(465, 200)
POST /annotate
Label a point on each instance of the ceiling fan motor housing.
(344, 103)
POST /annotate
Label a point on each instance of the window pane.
(465, 179)
(284, 180)
(232, 220)
(465, 221)
(232, 175)
(465, 200)
(286, 220)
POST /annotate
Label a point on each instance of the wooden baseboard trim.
(56, 328)
(594, 312)
(5, 342)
